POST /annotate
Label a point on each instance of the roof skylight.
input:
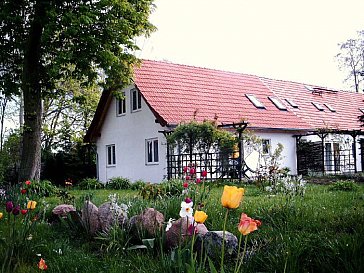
(330, 107)
(292, 103)
(361, 110)
(278, 103)
(255, 101)
(318, 106)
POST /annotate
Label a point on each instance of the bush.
(90, 184)
(118, 183)
(169, 188)
(43, 188)
(344, 186)
(138, 185)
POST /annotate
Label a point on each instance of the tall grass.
(320, 232)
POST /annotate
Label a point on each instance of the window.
(265, 146)
(361, 110)
(121, 105)
(278, 103)
(292, 103)
(110, 155)
(318, 106)
(136, 100)
(330, 107)
(152, 156)
(255, 101)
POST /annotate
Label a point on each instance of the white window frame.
(256, 102)
(151, 151)
(266, 146)
(110, 155)
(138, 97)
(121, 106)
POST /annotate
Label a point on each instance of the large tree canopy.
(39, 39)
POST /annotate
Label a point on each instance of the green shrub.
(90, 184)
(169, 188)
(344, 186)
(137, 185)
(43, 188)
(118, 183)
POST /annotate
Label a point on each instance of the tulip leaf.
(136, 247)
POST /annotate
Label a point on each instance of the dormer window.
(292, 103)
(121, 105)
(255, 101)
(330, 107)
(278, 103)
(318, 106)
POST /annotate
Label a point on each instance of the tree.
(39, 38)
(351, 60)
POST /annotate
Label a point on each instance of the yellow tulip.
(31, 205)
(231, 197)
(1, 215)
(200, 216)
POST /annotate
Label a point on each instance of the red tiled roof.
(177, 93)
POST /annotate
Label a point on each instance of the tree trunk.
(31, 144)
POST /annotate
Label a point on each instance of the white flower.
(169, 224)
(186, 209)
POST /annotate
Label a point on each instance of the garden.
(220, 226)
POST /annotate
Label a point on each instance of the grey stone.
(147, 224)
(179, 231)
(90, 217)
(112, 214)
(63, 210)
(212, 244)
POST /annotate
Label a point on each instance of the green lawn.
(320, 232)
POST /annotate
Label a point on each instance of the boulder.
(112, 214)
(90, 217)
(212, 244)
(63, 210)
(179, 231)
(147, 224)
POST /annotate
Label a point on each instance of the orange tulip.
(231, 197)
(247, 224)
(1, 215)
(200, 216)
(42, 265)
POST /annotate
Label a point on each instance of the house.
(317, 126)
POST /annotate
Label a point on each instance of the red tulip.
(188, 177)
(23, 191)
(185, 169)
(192, 171)
(185, 185)
(198, 180)
(28, 182)
(16, 210)
(188, 200)
(204, 173)
(24, 211)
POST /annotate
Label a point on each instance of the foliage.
(288, 185)
(137, 185)
(344, 186)
(118, 183)
(202, 137)
(90, 184)
(40, 39)
(76, 162)
(169, 188)
(351, 60)
(43, 188)
(9, 158)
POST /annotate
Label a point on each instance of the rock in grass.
(212, 244)
(112, 214)
(63, 210)
(90, 217)
(147, 224)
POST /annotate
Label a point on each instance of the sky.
(280, 39)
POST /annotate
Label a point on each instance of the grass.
(320, 232)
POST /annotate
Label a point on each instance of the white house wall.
(288, 154)
(129, 133)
